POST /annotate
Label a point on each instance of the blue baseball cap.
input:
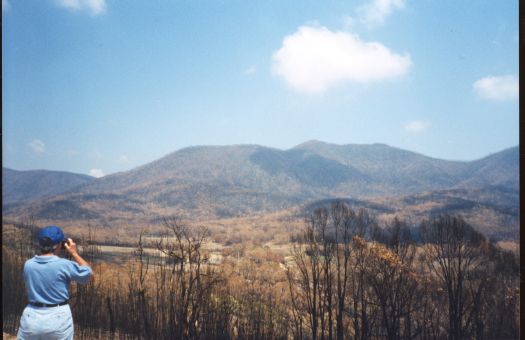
(51, 235)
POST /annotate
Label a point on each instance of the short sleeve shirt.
(48, 278)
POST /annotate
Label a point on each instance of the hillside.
(501, 168)
(492, 210)
(401, 171)
(25, 186)
(239, 180)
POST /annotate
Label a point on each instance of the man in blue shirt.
(47, 279)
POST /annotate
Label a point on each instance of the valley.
(231, 189)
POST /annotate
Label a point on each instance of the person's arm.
(71, 248)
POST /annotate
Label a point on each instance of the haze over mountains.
(25, 186)
(224, 181)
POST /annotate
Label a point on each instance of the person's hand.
(71, 247)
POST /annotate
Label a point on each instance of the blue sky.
(100, 86)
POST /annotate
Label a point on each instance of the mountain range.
(26, 186)
(237, 180)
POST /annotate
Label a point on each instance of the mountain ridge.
(235, 180)
(29, 185)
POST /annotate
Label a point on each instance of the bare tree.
(454, 252)
(345, 225)
(189, 284)
(393, 281)
(358, 293)
(327, 278)
(307, 291)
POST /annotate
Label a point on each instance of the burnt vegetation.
(346, 277)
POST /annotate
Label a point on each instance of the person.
(47, 278)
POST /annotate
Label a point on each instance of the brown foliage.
(346, 278)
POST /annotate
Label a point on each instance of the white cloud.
(497, 88)
(94, 7)
(416, 126)
(37, 146)
(376, 11)
(96, 173)
(314, 59)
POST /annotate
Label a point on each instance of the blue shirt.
(47, 278)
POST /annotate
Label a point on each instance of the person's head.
(50, 238)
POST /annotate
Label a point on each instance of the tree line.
(347, 277)
(355, 280)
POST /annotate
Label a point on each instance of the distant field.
(120, 253)
(513, 246)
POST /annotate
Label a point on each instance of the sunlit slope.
(225, 181)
